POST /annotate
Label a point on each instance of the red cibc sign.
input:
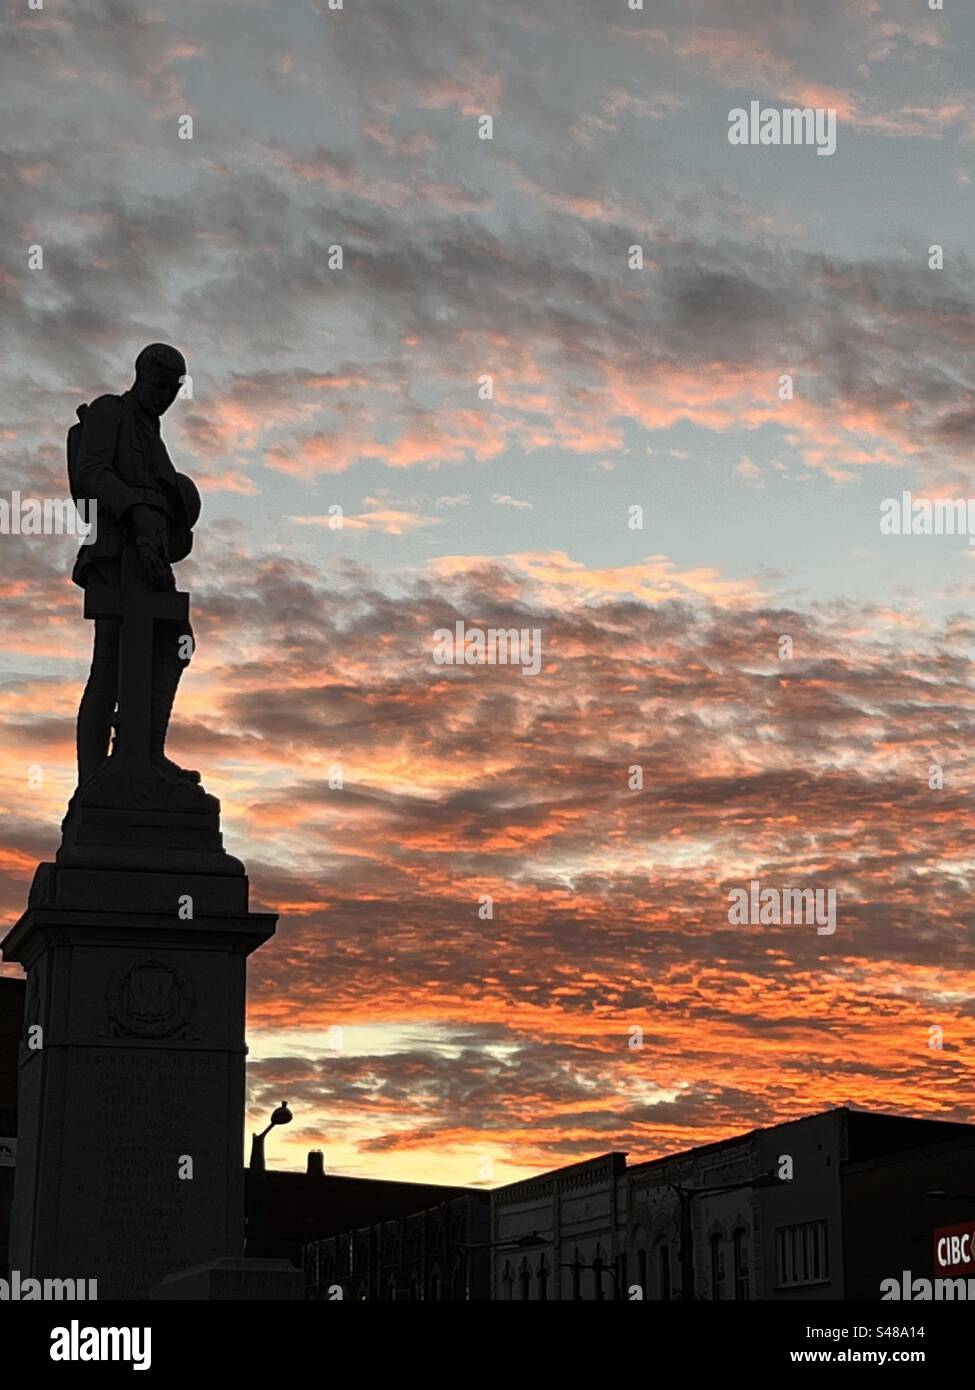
(954, 1249)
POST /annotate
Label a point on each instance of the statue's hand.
(157, 569)
(151, 542)
(150, 525)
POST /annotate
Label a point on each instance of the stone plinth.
(140, 1071)
(235, 1280)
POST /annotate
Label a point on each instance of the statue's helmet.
(192, 503)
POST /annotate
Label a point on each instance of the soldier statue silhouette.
(145, 516)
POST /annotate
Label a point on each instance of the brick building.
(853, 1212)
(580, 1211)
(890, 1216)
(435, 1253)
(287, 1210)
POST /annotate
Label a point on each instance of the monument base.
(131, 1075)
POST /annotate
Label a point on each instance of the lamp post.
(281, 1116)
(531, 1241)
(256, 1195)
(685, 1196)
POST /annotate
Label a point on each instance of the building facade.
(894, 1208)
(561, 1235)
(749, 1241)
(438, 1253)
(797, 1211)
(288, 1210)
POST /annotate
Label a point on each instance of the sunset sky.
(472, 1050)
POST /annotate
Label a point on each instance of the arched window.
(542, 1279)
(525, 1279)
(740, 1246)
(716, 1245)
(507, 1279)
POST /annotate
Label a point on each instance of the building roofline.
(844, 1110)
(615, 1157)
(618, 1157)
(352, 1177)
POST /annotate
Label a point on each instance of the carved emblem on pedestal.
(151, 1000)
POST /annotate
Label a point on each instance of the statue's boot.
(94, 731)
(167, 668)
(98, 702)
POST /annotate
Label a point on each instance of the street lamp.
(281, 1116)
(685, 1196)
(531, 1241)
(256, 1219)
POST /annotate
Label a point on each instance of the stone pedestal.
(130, 1139)
(225, 1281)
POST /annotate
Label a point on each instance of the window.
(435, 1285)
(460, 1291)
(641, 1272)
(802, 1254)
(576, 1276)
(663, 1265)
(542, 1280)
(739, 1242)
(507, 1279)
(525, 1279)
(717, 1267)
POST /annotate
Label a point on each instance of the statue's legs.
(98, 702)
(168, 665)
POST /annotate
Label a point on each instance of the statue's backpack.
(73, 443)
(73, 448)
